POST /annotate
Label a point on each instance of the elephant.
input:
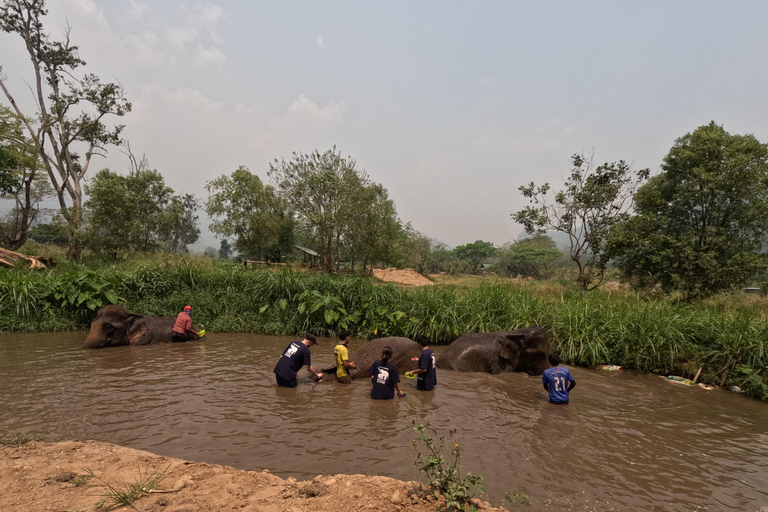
(403, 349)
(115, 326)
(522, 350)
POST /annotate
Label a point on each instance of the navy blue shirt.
(384, 378)
(294, 357)
(427, 381)
(558, 379)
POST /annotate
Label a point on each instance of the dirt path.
(46, 477)
(403, 276)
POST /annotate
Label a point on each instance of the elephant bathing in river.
(522, 350)
(403, 349)
(115, 325)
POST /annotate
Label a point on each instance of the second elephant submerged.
(521, 350)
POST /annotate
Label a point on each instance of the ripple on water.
(626, 442)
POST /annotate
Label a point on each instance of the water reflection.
(626, 442)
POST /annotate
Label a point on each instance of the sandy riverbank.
(46, 477)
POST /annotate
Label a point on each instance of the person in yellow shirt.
(343, 364)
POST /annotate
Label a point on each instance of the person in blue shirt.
(427, 372)
(384, 377)
(294, 357)
(558, 381)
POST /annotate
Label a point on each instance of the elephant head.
(509, 349)
(114, 326)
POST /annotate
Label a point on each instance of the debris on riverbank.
(48, 477)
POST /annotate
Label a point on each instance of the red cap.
(187, 307)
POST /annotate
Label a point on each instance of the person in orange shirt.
(183, 326)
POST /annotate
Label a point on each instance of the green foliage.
(53, 233)
(259, 220)
(8, 165)
(441, 466)
(76, 291)
(125, 496)
(594, 199)
(751, 381)
(701, 223)
(475, 253)
(342, 212)
(20, 439)
(137, 213)
(70, 110)
(225, 250)
(534, 257)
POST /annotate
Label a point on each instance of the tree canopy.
(593, 200)
(534, 256)
(475, 253)
(701, 223)
(244, 209)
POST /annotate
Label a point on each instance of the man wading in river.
(294, 357)
(343, 364)
(558, 381)
(183, 326)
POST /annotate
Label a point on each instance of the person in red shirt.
(183, 326)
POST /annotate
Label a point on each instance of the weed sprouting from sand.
(442, 467)
(515, 498)
(16, 440)
(124, 497)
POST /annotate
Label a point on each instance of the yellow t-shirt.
(342, 354)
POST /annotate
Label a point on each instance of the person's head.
(310, 340)
(188, 310)
(554, 359)
(386, 354)
(344, 335)
(422, 341)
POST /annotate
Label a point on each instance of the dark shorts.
(177, 337)
(559, 403)
(286, 383)
(344, 380)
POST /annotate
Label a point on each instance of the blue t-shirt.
(294, 357)
(384, 377)
(427, 381)
(558, 379)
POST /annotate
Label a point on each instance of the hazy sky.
(450, 105)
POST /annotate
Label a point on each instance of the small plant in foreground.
(443, 472)
(16, 440)
(516, 498)
(144, 484)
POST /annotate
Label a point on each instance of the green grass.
(641, 333)
(126, 495)
(20, 439)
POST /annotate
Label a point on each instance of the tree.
(594, 199)
(701, 223)
(180, 222)
(19, 181)
(133, 213)
(475, 253)
(225, 250)
(324, 190)
(534, 256)
(373, 230)
(243, 208)
(69, 129)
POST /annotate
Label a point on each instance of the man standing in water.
(555, 380)
(294, 357)
(343, 364)
(427, 373)
(183, 326)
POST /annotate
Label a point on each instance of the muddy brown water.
(626, 442)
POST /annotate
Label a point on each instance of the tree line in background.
(697, 228)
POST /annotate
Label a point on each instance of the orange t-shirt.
(183, 324)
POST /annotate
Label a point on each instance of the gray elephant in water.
(115, 325)
(521, 350)
(403, 349)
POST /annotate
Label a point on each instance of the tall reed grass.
(623, 329)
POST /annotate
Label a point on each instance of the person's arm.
(420, 369)
(545, 381)
(188, 327)
(399, 393)
(571, 385)
(311, 369)
(349, 364)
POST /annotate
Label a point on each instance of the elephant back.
(403, 350)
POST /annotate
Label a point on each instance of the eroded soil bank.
(45, 477)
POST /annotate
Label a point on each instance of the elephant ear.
(137, 327)
(511, 346)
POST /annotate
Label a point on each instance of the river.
(626, 442)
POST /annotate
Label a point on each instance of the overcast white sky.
(450, 105)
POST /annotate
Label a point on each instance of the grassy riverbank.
(729, 339)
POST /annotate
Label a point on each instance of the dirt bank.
(403, 276)
(46, 477)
